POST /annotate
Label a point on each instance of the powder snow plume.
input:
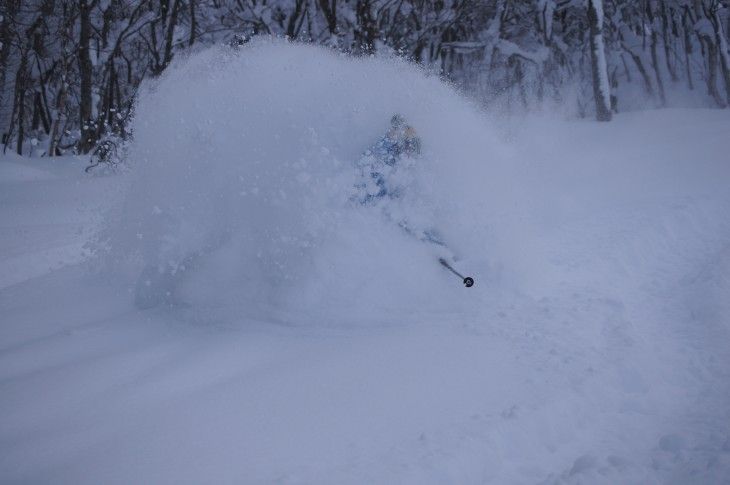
(248, 156)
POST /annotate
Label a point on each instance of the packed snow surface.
(314, 341)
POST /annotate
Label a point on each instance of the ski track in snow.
(597, 355)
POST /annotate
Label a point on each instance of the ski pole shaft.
(467, 280)
(450, 268)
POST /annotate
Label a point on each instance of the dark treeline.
(69, 70)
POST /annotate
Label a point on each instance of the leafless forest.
(70, 70)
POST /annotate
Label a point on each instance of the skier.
(381, 183)
(380, 162)
(383, 177)
(381, 174)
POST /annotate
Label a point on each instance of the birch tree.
(599, 68)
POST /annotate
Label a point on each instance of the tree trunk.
(7, 25)
(665, 41)
(169, 34)
(655, 65)
(654, 57)
(366, 31)
(330, 14)
(20, 87)
(642, 70)
(724, 54)
(710, 47)
(193, 23)
(295, 19)
(85, 95)
(626, 69)
(712, 74)
(599, 69)
(60, 110)
(686, 27)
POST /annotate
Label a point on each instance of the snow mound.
(245, 159)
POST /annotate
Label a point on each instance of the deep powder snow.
(314, 341)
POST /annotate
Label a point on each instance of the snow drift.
(247, 157)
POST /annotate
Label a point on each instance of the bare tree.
(70, 69)
(8, 52)
(599, 69)
(88, 139)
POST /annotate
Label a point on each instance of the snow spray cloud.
(246, 157)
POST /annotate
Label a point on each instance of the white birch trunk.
(599, 68)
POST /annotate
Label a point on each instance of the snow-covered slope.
(593, 348)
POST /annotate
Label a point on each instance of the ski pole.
(468, 280)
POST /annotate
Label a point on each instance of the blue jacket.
(377, 180)
(379, 163)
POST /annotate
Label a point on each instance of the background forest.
(69, 70)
